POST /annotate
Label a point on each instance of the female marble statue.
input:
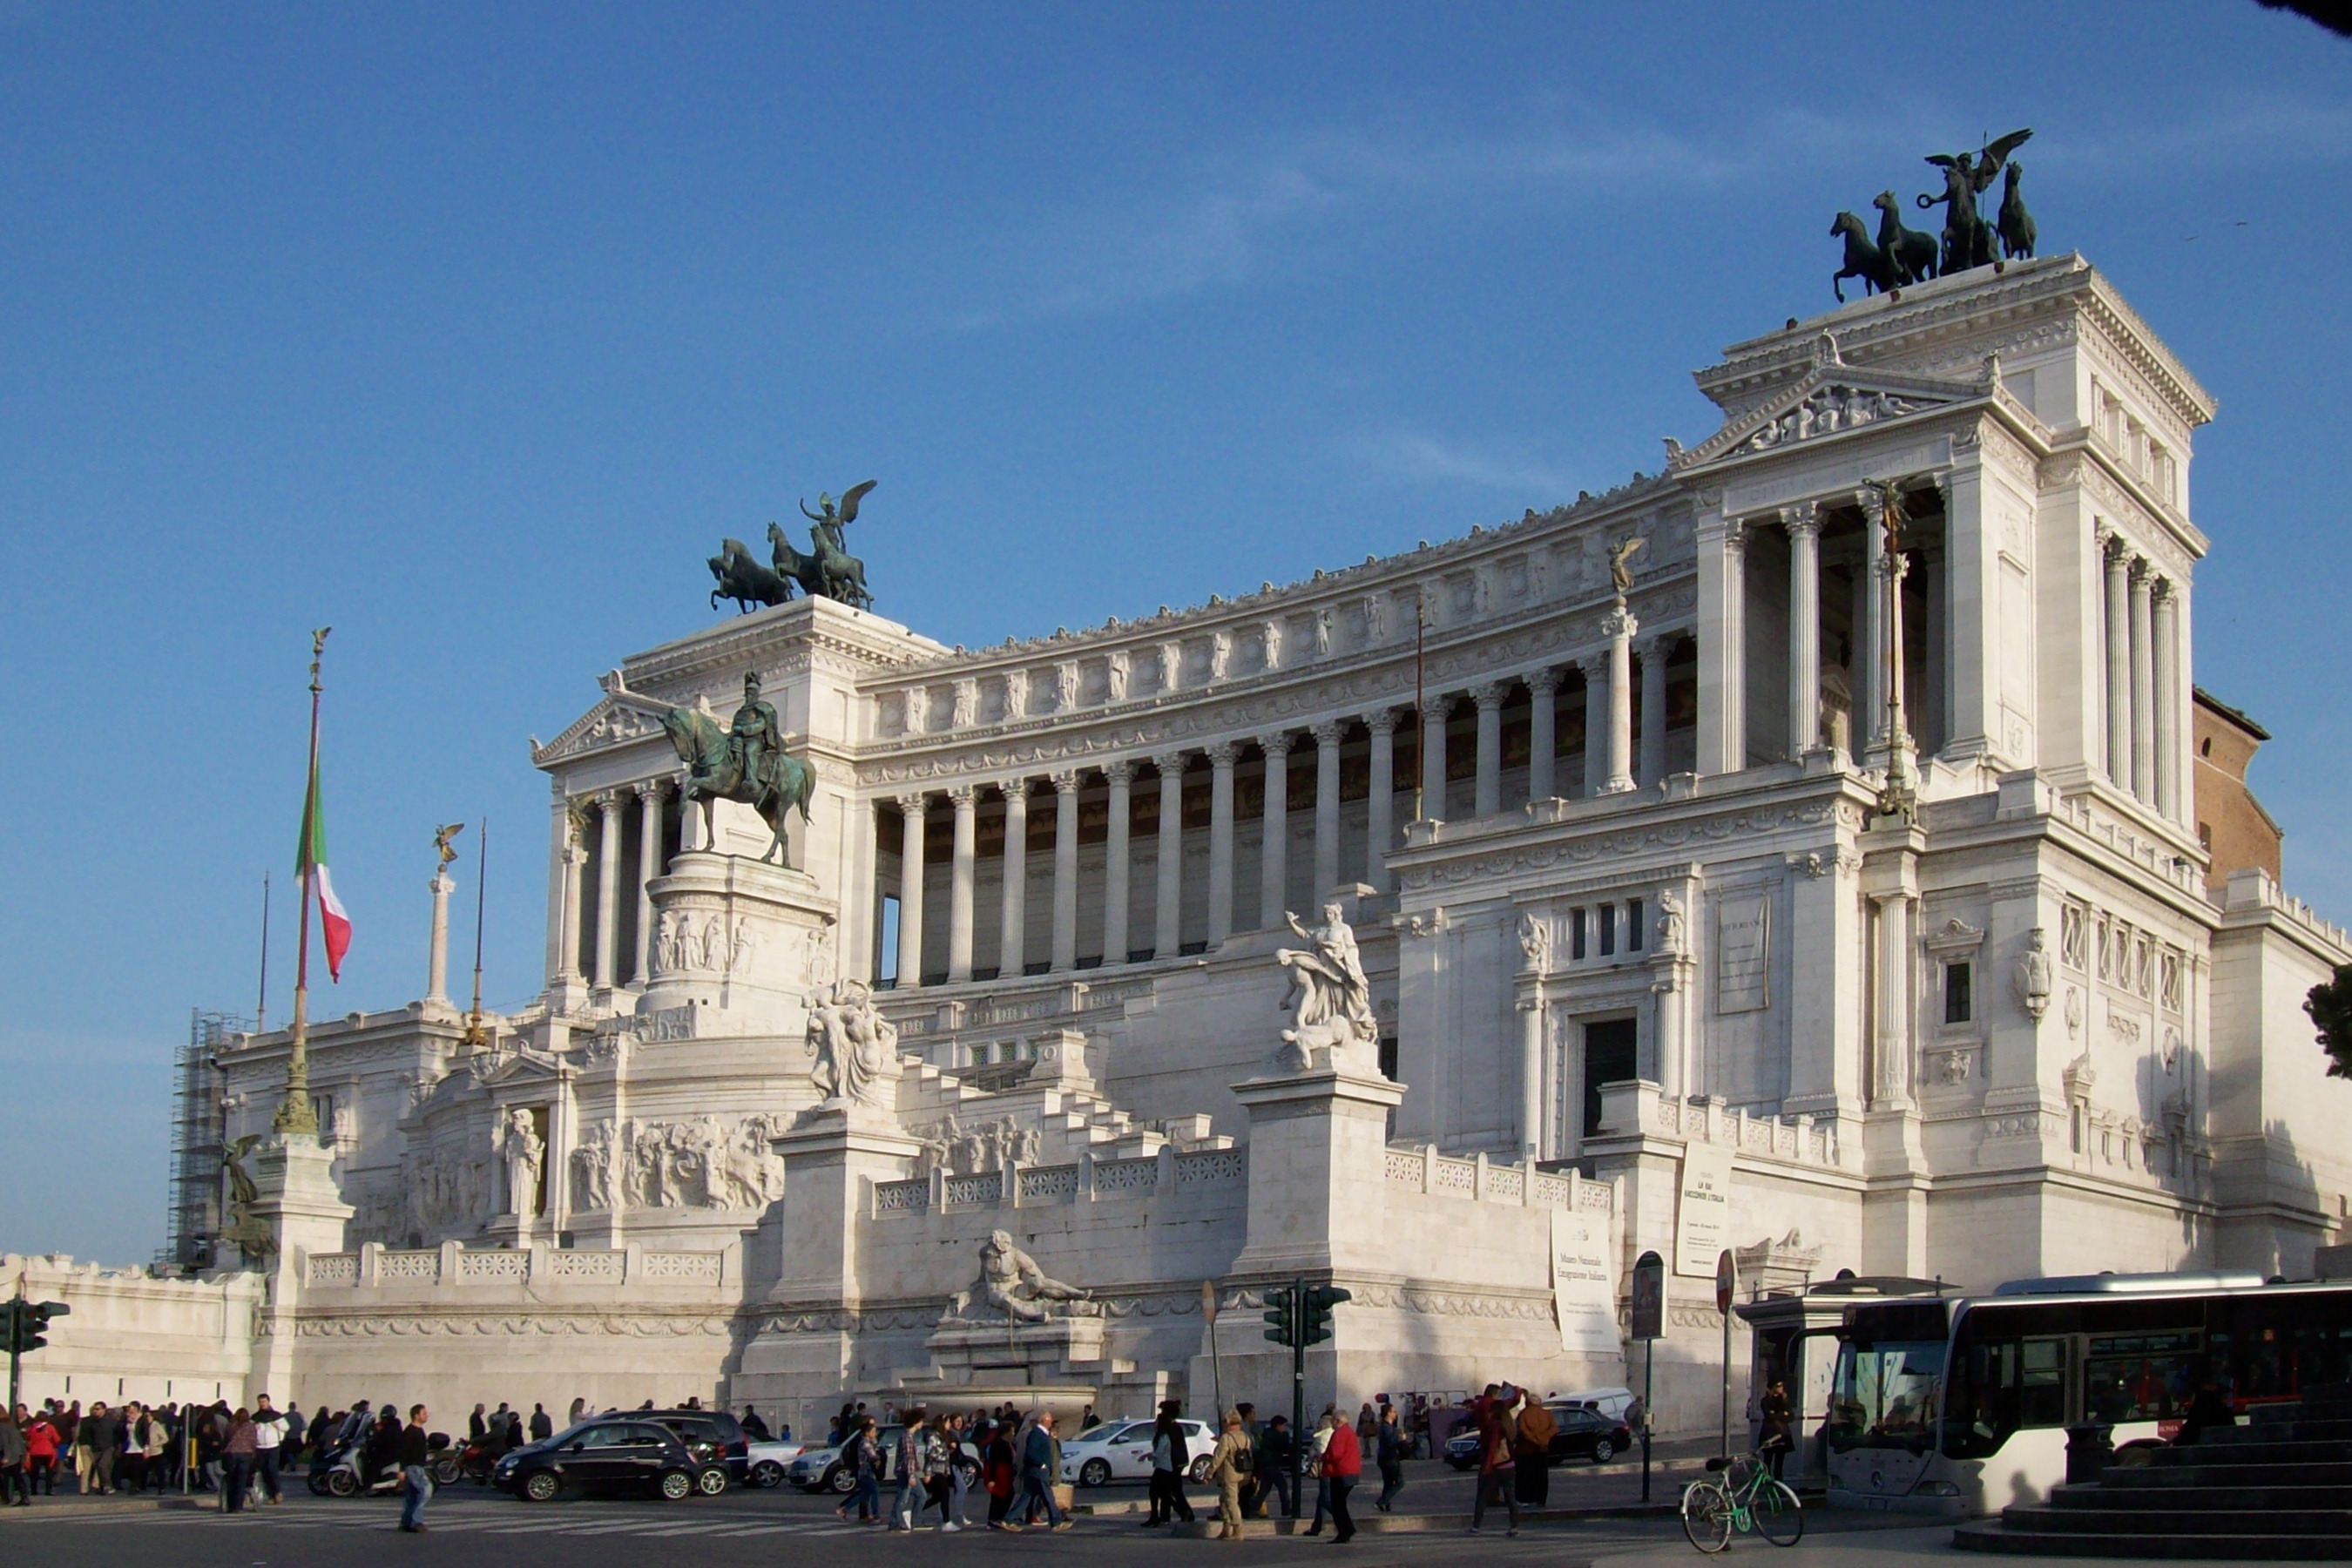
(523, 1151)
(1330, 998)
(856, 1048)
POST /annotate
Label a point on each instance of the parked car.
(770, 1460)
(1580, 1434)
(617, 1453)
(1122, 1451)
(1611, 1402)
(822, 1470)
(717, 1440)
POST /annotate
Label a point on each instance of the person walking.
(863, 1459)
(1229, 1466)
(1775, 1425)
(910, 1462)
(1041, 1466)
(1389, 1444)
(998, 1473)
(1169, 1457)
(1533, 1430)
(1497, 1462)
(155, 1448)
(1325, 1425)
(959, 1474)
(268, 1435)
(415, 1471)
(41, 1444)
(14, 1492)
(237, 1461)
(1271, 1468)
(1343, 1466)
(543, 1425)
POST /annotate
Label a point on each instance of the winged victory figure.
(1969, 238)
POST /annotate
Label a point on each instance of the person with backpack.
(864, 1456)
(1169, 1460)
(1229, 1466)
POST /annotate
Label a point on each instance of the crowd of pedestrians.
(136, 1448)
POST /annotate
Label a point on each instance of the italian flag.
(311, 868)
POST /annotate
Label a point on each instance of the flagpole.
(475, 1038)
(261, 994)
(1420, 709)
(296, 1116)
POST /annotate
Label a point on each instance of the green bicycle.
(1741, 1495)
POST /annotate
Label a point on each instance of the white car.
(768, 1461)
(1122, 1451)
(1609, 1402)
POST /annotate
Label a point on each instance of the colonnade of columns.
(1611, 767)
(595, 830)
(2147, 729)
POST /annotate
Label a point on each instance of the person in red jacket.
(1343, 1464)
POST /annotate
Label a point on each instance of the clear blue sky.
(471, 329)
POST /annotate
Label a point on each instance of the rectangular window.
(1605, 917)
(1576, 933)
(1612, 1055)
(1957, 1000)
(1633, 925)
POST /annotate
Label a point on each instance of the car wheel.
(1603, 1451)
(839, 1480)
(676, 1485)
(767, 1473)
(542, 1485)
(711, 1481)
(1199, 1470)
(342, 1483)
(1095, 1473)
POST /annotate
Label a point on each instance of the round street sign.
(1726, 1282)
(1209, 1298)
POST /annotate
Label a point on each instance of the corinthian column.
(2167, 699)
(1489, 799)
(2142, 681)
(1596, 723)
(1543, 733)
(1012, 922)
(1433, 756)
(1655, 649)
(436, 956)
(1379, 808)
(1273, 850)
(1066, 872)
(1804, 525)
(965, 798)
(911, 892)
(608, 886)
(1119, 775)
(1167, 930)
(1620, 627)
(2119, 689)
(1328, 736)
(1221, 841)
(576, 860)
(649, 865)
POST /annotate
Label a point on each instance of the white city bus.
(1961, 1406)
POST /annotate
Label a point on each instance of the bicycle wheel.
(1780, 1516)
(1706, 1516)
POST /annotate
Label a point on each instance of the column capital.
(1118, 772)
(1542, 682)
(1802, 522)
(1015, 789)
(964, 797)
(1619, 623)
(1222, 753)
(1383, 720)
(2166, 590)
(1489, 694)
(1873, 502)
(1277, 744)
(2143, 573)
(1595, 666)
(1067, 782)
(1170, 764)
(910, 805)
(2120, 550)
(651, 791)
(1329, 733)
(1735, 535)
(1436, 711)
(610, 800)
(1657, 646)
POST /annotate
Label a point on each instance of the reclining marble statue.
(1330, 1001)
(856, 1048)
(1011, 1281)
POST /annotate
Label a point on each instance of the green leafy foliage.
(2330, 1006)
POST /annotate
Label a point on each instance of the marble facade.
(1621, 879)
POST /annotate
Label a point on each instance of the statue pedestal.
(737, 947)
(297, 1198)
(1057, 1352)
(1318, 1143)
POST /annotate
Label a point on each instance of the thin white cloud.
(1416, 458)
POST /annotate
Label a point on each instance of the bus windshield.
(1885, 1395)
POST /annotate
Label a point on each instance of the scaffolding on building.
(199, 1132)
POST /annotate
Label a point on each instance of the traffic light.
(23, 1325)
(1315, 1317)
(1281, 1325)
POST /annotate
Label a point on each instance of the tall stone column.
(649, 865)
(1543, 733)
(1379, 825)
(1532, 1044)
(1013, 919)
(1869, 699)
(1433, 756)
(965, 798)
(1221, 841)
(567, 974)
(1168, 932)
(911, 892)
(1117, 861)
(1655, 649)
(1273, 849)
(1595, 668)
(1804, 525)
(1891, 1085)
(1066, 872)
(2119, 686)
(559, 848)
(608, 888)
(436, 957)
(2168, 700)
(1489, 701)
(1620, 627)
(2143, 681)
(1722, 644)
(1328, 736)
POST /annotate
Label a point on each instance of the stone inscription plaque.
(1743, 951)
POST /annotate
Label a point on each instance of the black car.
(1589, 1435)
(717, 1439)
(620, 1452)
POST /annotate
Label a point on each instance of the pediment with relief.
(1834, 397)
(621, 717)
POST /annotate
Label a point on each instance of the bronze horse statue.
(1862, 260)
(2015, 225)
(743, 579)
(714, 771)
(1911, 251)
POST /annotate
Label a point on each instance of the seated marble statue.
(1011, 1282)
(1329, 999)
(856, 1048)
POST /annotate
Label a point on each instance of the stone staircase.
(2278, 1489)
